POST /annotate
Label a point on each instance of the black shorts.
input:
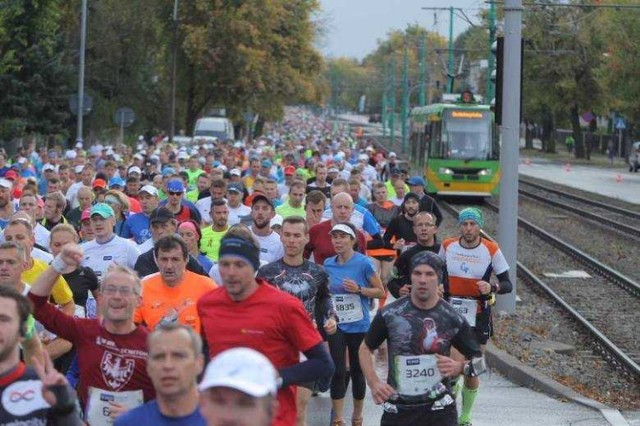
(421, 415)
(484, 327)
(384, 258)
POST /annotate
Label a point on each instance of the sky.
(355, 26)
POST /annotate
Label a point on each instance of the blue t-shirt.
(137, 227)
(359, 268)
(205, 262)
(149, 415)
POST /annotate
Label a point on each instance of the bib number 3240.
(416, 375)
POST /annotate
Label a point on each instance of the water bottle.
(91, 307)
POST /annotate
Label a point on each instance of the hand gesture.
(117, 409)
(49, 377)
(71, 255)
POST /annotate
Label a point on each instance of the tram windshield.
(466, 135)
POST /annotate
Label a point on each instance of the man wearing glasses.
(181, 208)
(112, 351)
(107, 248)
(424, 226)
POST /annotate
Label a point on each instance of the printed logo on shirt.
(248, 331)
(107, 258)
(24, 397)
(116, 370)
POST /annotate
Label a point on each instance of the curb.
(523, 375)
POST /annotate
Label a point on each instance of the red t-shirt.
(320, 242)
(113, 362)
(269, 321)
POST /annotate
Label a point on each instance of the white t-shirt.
(204, 207)
(235, 213)
(72, 194)
(36, 253)
(271, 248)
(118, 250)
(43, 236)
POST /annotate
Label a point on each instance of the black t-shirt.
(81, 281)
(307, 282)
(401, 228)
(412, 332)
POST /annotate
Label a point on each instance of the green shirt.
(285, 210)
(210, 242)
(391, 191)
(193, 176)
(192, 196)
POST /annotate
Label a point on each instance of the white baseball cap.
(343, 228)
(235, 172)
(6, 183)
(149, 189)
(242, 369)
(79, 168)
(392, 154)
(134, 169)
(48, 167)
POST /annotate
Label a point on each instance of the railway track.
(598, 306)
(625, 220)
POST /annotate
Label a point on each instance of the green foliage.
(33, 71)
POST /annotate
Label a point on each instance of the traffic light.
(497, 49)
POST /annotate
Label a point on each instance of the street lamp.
(174, 66)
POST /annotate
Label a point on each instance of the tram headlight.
(445, 171)
(485, 172)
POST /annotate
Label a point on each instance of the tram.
(457, 145)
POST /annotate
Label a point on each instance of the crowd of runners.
(227, 282)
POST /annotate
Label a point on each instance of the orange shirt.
(160, 301)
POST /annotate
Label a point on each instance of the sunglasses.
(175, 193)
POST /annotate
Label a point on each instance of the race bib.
(348, 307)
(416, 375)
(467, 308)
(99, 409)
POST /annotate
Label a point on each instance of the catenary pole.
(83, 42)
(509, 158)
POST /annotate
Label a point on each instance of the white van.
(209, 129)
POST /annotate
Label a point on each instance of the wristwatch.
(359, 291)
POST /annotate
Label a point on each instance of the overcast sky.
(355, 26)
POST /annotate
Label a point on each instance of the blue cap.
(175, 185)
(267, 164)
(416, 181)
(216, 164)
(168, 171)
(116, 181)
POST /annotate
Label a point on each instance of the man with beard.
(6, 203)
(212, 235)
(262, 212)
(470, 288)
(305, 280)
(401, 226)
(425, 228)
(427, 204)
(421, 331)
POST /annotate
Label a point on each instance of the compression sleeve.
(318, 365)
(505, 283)
(377, 333)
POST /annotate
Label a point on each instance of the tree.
(34, 74)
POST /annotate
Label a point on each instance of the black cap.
(261, 197)
(161, 214)
(395, 171)
(411, 195)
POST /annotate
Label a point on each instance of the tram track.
(604, 214)
(604, 311)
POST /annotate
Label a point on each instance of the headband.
(471, 213)
(188, 225)
(239, 247)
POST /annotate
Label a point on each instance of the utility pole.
(451, 65)
(383, 116)
(392, 118)
(83, 42)
(423, 72)
(509, 152)
(405, 97)
(174, 72)
(490, 89)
